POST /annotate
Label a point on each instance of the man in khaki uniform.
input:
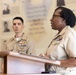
(20, 42)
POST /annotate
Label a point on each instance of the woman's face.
(57, 22)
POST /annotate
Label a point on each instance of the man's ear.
(23, 25)
(12, 26)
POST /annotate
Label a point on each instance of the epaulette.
(12, 39)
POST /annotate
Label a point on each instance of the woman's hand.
(44, 56)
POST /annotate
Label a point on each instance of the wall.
(38, 29)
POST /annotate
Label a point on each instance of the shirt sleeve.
(1, 59)
(70, 45)
(2, 45)
(31, 47)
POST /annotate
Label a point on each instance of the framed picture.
(65, 2)
(6, 9)
(9, 8)
(7, 27)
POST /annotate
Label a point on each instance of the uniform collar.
(20, 36)
(59, 36)
(63, 31)
(13, 38)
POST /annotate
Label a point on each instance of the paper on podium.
(13, 53)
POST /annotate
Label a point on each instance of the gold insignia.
(57, 40)
(22, 41)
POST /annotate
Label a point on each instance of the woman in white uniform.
(63, 47)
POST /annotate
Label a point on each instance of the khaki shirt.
(62, 47)
(23, 45)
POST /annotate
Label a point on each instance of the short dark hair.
(67, 15)
(19, 19)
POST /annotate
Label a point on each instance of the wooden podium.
(20, 63)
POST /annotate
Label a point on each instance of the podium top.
(25, 56)
(30, 74)
(4, 53)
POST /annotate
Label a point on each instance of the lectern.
(21, 63)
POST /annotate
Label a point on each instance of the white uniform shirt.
(62, 47)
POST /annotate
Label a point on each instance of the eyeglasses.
(56, 16)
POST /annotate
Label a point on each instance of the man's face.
(17, 26)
